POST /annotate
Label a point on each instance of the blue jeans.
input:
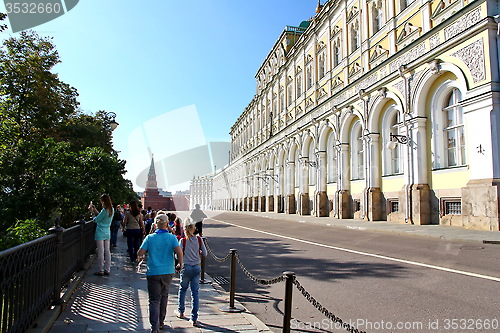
(158, 298)
(190, 276)
(134, 239)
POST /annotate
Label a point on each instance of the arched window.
(453, 130)
(355, 38)
(357, 152)
(448, 133)
(336, 53)
(322, 71)
(377, 16)
(309, 78)
(299, 85)
(392, 157)
(331, 160)
(289, 90)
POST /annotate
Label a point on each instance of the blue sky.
(143, 59)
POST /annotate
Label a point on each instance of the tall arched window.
(357, 152)
(336, 53)
(392, 157)
(377, 16)
(289, 90)
(448, 133)
(331, 160)
(299, 85)
(309, 77)
(355, 38)
(453, 130)
(321, 65)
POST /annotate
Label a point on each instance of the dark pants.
(114, 235)
(134, 239)
(158, 298)
(199, 228)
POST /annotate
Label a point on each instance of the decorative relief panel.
(462, 24)
(473, 57)
(408, 57)
(435, 40)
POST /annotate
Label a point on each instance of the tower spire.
(151, 183)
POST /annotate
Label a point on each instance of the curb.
(47, 319)
(261, 327)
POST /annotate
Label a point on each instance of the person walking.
(197, 215)
(134, 230)
(103, 234)
(116, 223)
(160, 246)
(193, 249)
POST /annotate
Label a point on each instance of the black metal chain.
(257, 280)
(214, 256)
(324, 310)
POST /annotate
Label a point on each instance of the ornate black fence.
(32, 275)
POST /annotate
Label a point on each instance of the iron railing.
(33, 274)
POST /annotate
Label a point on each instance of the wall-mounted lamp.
(403, 139)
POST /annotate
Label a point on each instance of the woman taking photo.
(103, 234)
(134, 230)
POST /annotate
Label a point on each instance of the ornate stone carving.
(473, 57)
(435, 40)
(408, 57)
(400, 86)
(463, 23)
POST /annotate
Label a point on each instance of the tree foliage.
(53, 158)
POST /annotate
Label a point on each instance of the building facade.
(201, 190)
(376, 110)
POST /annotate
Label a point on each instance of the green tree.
(53, 158)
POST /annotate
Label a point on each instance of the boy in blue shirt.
(161, 246)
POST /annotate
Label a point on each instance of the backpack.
(184, 244)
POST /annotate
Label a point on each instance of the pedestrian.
(149, 222)
(116, 223)
(197, 215)
(193, 249)
(103, 234)
(134, 230)
(161, 247)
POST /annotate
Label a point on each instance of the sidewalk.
(434, 231)
(119, 302)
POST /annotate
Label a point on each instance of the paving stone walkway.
(119, 302)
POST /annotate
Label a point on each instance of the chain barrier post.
(287, 315)
(232, 307)
(203, 262)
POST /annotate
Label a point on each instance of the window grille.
(453, 208)
(394, 206)
(357, 205)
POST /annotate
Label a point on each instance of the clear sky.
(145, 59)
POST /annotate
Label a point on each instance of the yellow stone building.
(376, 110)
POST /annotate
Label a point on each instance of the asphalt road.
(378, 282)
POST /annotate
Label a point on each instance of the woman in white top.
(193, 248)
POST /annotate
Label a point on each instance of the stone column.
(290, 190)
(321, 195)
(420, 192)
(373, 193)
(304, 187)
(343, 194)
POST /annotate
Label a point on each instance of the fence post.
(232, 307)
(287, 315)
(58, 230)
(203, 262)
